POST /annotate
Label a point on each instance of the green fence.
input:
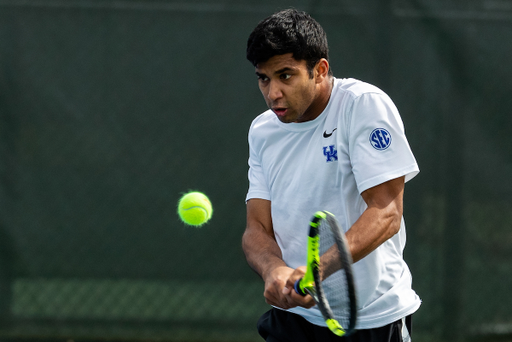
(111, 109)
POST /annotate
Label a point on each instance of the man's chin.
(285, 119)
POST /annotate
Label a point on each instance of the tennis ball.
(195, 209)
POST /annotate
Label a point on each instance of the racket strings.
(335, 285)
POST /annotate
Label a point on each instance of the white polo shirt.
(356, 143)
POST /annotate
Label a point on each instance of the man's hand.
(293, 297)
(264, 256)
(279, 289)
(274, 284)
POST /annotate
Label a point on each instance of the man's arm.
(379, 222)
(381, 219)
(264, 256)
(258, 242)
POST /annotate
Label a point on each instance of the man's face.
(287, 88)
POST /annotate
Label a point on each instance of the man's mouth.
(280, 111)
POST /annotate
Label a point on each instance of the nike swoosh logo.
(327, 135)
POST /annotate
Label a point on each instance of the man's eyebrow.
(278, 72)
(283, 70)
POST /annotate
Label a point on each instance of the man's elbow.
(246, 241)
(394, 222)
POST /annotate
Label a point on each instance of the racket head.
(333, 285)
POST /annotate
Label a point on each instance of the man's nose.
(274, 91)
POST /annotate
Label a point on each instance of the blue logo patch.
(331, 153)
(380, 139)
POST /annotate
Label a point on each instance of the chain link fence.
(110, 110)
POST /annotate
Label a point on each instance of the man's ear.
(321, 70)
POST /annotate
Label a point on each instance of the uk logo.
(330, 153)
(380, 139)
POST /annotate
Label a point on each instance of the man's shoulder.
(262, 124)
(264, 119)
(356, 88)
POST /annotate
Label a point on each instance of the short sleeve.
(258, 187)
(378, 148)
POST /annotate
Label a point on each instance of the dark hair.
(288, 31)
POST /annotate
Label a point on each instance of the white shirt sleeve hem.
(409, 172)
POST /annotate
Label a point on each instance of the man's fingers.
(294, 277)
(295, 299)
(281, 303)
(286, 290)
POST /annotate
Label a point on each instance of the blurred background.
(111, 109)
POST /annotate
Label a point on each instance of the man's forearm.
(261, 251)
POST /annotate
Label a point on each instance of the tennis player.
(332, 144)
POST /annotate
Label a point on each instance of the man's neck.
(324, 95)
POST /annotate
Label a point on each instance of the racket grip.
(296, 286)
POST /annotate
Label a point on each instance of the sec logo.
(380, 139)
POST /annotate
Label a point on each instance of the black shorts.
(282, 326)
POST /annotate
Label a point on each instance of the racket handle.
(296, 286)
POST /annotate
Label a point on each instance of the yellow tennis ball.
(195, 209)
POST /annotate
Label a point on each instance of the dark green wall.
(110, 110)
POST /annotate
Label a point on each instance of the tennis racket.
(328, 278)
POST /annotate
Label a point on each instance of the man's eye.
(285, 76)
(263, 78)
